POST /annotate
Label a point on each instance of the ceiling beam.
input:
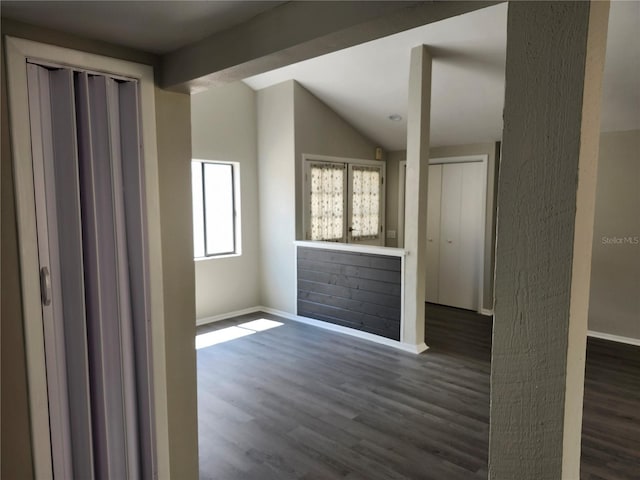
(293, 32)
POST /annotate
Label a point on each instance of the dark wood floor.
(611, 418)
(298, 402)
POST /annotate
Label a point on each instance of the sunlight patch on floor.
(219, 336)
(260, 325)
(231, 333)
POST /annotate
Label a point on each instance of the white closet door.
(433, 232)
(461, 235)
(449, 268)
(470, 243)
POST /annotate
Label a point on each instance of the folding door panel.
(111, 359)
(52, 115)
(136, 239)
(88, 179)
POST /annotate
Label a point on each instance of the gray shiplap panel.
(352, 305)
(353, 271)
(358, 321)
(392, 301)
(356, 290)
(380, 262)
(350, 282)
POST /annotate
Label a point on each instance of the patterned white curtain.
(327, 201)
(365, 218)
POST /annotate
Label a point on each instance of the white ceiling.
(153, 26)
(367, 83)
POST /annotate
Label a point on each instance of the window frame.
(307, 194)
(308, 160)
(236, 214)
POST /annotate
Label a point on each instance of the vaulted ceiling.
(367, 83)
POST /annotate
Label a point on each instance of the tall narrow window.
(327, 197)
(365, 210)
(215, 218)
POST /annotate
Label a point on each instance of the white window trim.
(308, 159)
(237, 217)
(18, 52)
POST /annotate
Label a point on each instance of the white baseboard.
(614, 338)
(375, 338)
(486, 311)
(226, 316)
(406, 347)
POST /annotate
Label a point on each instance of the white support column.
(546, 197)
(415, 230)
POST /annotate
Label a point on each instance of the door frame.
(484, 159)
(18, 52)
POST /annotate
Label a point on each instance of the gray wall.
(321, 131)
(291, 121)
(174, 155)
(224, 127)
(490, 149)
(614, 305)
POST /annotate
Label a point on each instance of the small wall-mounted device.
(378, 153)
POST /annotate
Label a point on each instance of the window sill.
(205, 259)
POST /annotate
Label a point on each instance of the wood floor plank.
(298, 402)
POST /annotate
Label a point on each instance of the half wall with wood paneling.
(353, 289)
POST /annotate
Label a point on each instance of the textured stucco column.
(546, 197)
(415, 230)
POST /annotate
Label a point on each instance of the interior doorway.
(85, 172)
(456, 210)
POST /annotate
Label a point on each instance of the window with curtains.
(365, 202)
(216, 227)
(327, 198)
(344, 201)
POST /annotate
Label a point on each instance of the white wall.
(276, 199)
(224, 127)
(174, 176)
(614, 306)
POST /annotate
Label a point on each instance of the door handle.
(45, 286)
